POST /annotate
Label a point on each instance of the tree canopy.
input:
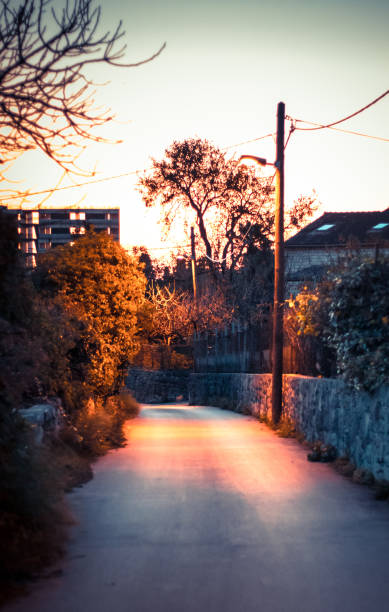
(105, 289)
(230, 203)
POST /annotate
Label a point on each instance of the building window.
(77, 230)
(59, 215)
(30, 232)
(31, 261)
(60, 230)
(380, 226)
(325, 227)
(32, 216)
(77, 216)
(29, 247)
(95, 216)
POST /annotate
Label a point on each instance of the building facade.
(45, 228)
(325, 241)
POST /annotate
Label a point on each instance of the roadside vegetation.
(61, 335)
(68, 330)
(348, 314)
(231, 207)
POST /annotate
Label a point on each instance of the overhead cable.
(271, 134)
(101, 180)
(108, 178)
(329, 125)
(238, 144)
(339, 130)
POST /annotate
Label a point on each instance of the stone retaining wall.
(355, 423)
(158, 386)
(45, 419)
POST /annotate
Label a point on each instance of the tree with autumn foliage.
(104, 289)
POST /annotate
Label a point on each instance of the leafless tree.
(175, 315)
(46, 99)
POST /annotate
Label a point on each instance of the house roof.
(337, 229)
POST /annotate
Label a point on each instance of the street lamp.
(277, 348)
(260, 160)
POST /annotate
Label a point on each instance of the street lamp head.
(259, 160)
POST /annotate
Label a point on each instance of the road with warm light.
(208, 511)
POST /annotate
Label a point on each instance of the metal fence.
(247, 348)
(236, 348)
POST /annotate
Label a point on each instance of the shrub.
(103, 289)
(98, 425)
(50, 345)
(33, 517)
(128, 404)
(350, 313)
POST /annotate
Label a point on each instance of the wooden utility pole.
(193, 260)
(277, 352)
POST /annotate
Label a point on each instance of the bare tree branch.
(45, 96)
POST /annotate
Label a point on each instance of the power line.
(33, 193)
(238, 144)
(339, 130)
(271, 134)
(291, 130)
(109, 178)
(329, 125)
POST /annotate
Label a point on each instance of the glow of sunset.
(226, 66)
(194, 443)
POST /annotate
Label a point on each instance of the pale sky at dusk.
(226, 66)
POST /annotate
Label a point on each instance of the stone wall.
(158, 386)
(45, 419)
(355, 423)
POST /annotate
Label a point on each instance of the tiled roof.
(337, 229)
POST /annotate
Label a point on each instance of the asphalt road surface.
(209, 511)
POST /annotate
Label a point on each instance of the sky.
(225, 67)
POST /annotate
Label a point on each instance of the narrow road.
(209, 511)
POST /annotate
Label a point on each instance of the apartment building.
(45, 228)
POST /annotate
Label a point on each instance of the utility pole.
(277, 347)
(193, 261)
